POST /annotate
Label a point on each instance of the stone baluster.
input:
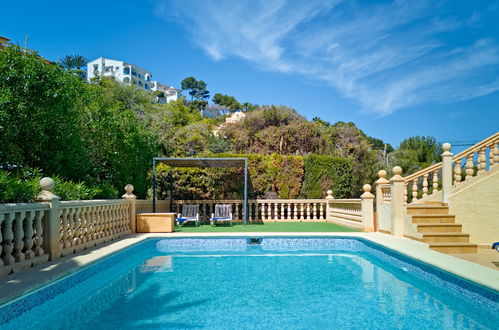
(264, 211)
(469, 167)
(314, 211)
(457, 172)
(414, 190)
(496, 154)
(425, 185)
(281, 216)
(18, 237)
(274, 216)
(8, 236)
(98, 224)
(28, 234)
(72, 226)
(302, 210)
(491, 156)
(65, 228)
(482, 161)
(288, 215)
(38, 234)
(405, 194)
(78, 225)
(308, 212)
(435, 182)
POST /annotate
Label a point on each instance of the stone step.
(427, 209)
(433, 203)
(433, 218)
(438, 227)
(445, 237)
(456, 247)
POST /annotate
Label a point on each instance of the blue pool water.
(293, 283)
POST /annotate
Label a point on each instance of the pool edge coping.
(16, 285)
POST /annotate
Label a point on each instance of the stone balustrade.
(266, 210)
(469, 163)
(22, 234)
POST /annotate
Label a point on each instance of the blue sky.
(395, 68)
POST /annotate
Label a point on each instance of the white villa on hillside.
(170, 93)
(130, 74)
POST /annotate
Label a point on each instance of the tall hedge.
(272, 176)
(324, 173)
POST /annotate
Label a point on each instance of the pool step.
(439, 227)
(454, 247)
(433, 218)
(445, 237)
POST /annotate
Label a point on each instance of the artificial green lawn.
(266, 227)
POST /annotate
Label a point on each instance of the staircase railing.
(468, 163)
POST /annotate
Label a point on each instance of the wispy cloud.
(385, 56)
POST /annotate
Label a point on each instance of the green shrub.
(70, 190)
(17, 190)
(324, 173)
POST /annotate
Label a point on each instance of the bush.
(324, 173)
(17, 190)
(69, 190)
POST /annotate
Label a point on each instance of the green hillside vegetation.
(95, 138)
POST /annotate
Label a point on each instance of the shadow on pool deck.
(267, 227)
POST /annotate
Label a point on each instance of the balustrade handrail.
(10, 207)
(233, 201)
(345, 201)
(474, 148)
(91, 202)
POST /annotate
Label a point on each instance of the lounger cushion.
(185, 219)
(221, 219)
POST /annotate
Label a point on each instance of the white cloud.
(385, 56)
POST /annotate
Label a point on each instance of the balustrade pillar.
(367, 210)
(132, 207)
(329, 199)
(446, 172)
(52, 223)
(397, 195)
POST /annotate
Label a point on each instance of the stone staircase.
(438, 228)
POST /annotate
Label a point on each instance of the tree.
(198, 92)
(227, 101)
(66, 62)
(415, 153)
(190, 84)
(74, 63)
(39, 116)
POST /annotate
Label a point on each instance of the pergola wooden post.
(203, 162)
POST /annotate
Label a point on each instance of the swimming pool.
(226, 283)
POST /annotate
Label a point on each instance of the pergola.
(203, 162)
